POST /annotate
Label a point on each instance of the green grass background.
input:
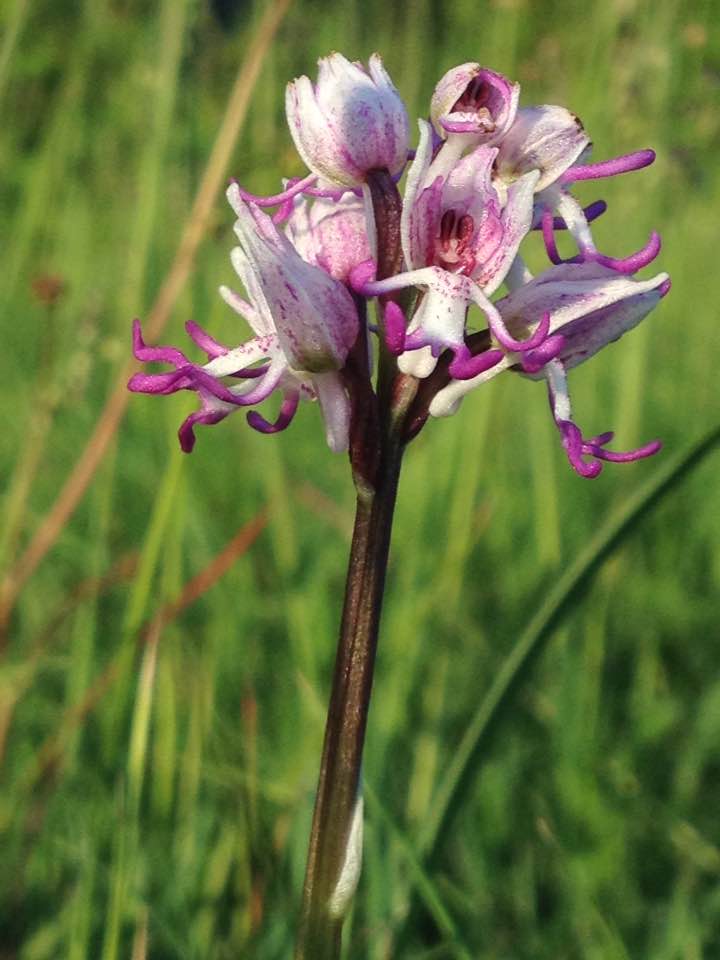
(169, 819)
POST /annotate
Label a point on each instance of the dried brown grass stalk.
(195, 230)
(50, 752)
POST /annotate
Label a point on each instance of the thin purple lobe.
(186, 434)
(465, 366)
(203, 339)
(609, 168)
(288, 409)
(592, 212)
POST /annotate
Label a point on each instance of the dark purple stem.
(320, 933)
(376, 450)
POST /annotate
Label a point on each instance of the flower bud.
(472, 100)
(350, 122)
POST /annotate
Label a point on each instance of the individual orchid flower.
(304, 321)
(460, 230)
(350, 122)
(589, 306)
(475, 103)
(553, 140)
(330, 234)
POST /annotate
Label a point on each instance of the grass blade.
(84, 470)
(578, 575)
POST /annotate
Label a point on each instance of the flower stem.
(376, 449)
(339, 783)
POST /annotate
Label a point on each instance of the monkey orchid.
(553, 141)
(460, 236)
(486, 175)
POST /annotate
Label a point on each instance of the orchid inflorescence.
(485, 175)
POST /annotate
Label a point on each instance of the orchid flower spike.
(485, 173)
(350, 122)
(304, 322)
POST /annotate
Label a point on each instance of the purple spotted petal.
(330, 234)
(589, 304)
(313, 314)
(545, 138)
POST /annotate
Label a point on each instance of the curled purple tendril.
(576, 448)
(186, 433)
(146, 354)
(288, 409)
(625, 265)
(634, 262)
(534, 360)
(190, 377)
(536, 339)
(465, 366)
(547, 225)
(203, 340)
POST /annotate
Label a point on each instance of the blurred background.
(170, 621)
